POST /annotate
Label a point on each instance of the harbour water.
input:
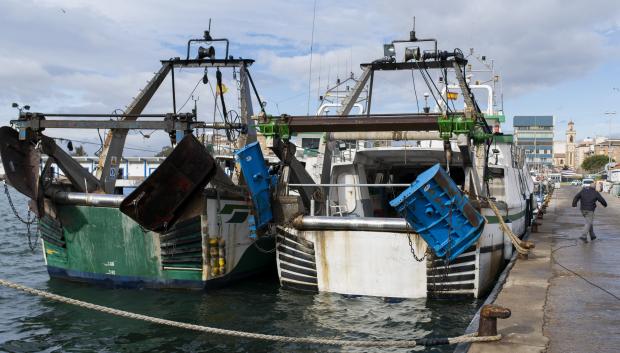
(30, 324)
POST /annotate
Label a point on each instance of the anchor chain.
(412, 249)
(28, 221)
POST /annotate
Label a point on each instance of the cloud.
(70, 55)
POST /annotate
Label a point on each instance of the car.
(588, 182)
(575, 182)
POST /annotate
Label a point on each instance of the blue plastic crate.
(256, 175)
(435, 208)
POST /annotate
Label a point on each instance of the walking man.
(588, 197)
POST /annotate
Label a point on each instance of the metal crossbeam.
(177, 62)
(168, 125)
(414, 65)
(386, 122)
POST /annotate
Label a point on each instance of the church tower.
(570, 145)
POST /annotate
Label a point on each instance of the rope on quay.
(258, 336)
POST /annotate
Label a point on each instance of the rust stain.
(319, 239)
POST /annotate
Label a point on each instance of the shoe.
(585, 239)
(593, 237)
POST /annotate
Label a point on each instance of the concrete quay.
(553, 295)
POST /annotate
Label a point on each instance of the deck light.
(389, 51)
(14, 105)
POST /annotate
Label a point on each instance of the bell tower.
(570, 145)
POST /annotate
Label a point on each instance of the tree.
(79, 151)
(594, 163)
(165, 152)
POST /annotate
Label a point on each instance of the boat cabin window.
(310, 143)
(381, 196)
(495, 172)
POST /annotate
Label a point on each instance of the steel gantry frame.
(114, 142)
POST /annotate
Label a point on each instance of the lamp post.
(609, 114)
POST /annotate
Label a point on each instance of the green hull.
(99, 244)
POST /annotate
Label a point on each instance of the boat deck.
(553, 309)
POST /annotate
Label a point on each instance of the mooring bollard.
(535, 226)
(488, 319)
(528, 245)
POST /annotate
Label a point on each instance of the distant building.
(559, 154)
(609, 147)
(571, 146)
(600, 145)
(564, 152)
(131, 172)
(534, 133)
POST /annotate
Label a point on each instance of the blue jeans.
(588, 228)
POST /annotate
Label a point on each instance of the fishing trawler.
(345, 234)
(188, 225)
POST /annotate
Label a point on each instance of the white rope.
(259, 336)
(518, 243)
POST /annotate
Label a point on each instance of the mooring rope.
(522, 247)
(258, 336)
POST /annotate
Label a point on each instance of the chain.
(263, 250)
(28, 221)
(411, 248)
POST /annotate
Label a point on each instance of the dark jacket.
(588, 197)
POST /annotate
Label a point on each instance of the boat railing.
(351, 185)
(333, 207)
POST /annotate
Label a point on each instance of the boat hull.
(381, 264)
(101, 245)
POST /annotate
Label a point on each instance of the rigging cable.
(415, 90)
(437, 89)
(427, 84)
(311, 52)
(191, 94)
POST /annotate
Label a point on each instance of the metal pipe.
(71, 115)
(386, 135)
(323, 108)
(260, 102)
(369, 101)
(398, 225)
(168, 125)
(351, 185)
(174, 92)
(374, 122)
(82, 199)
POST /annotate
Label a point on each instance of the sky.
(554, 57)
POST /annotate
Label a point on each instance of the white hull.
(379, 263)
